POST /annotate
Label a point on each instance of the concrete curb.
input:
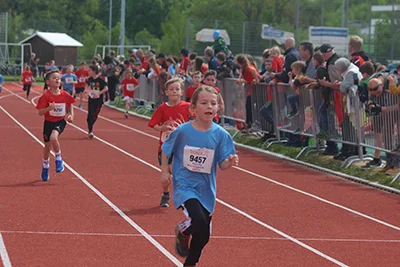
(299, 162)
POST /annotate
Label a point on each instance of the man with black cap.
(330, 58)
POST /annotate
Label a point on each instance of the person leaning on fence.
(383, 108)
(248, 76)
(306, 51)
(224, 67)
(210, 58)
(358, 57)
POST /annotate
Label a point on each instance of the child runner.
(26, 79)
(198, 146)
(69, 80)
(168, 114)
(82, 74)
(97, 87)
(55, 105)
(129, 85)
(196, 79)
(210, 79)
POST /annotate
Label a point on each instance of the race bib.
(82, 79)
(94, 94)
(28, 79)
(198, 159)
(69, 80)
(130, 87)
(58, 111)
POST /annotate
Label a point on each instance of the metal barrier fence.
(334, 118)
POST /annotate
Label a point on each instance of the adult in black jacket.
(291, 55)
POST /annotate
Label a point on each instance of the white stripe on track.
(104, 198)
(3, 253)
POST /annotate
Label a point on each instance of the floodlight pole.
(109, 25)
(122, 32)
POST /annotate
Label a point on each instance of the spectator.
(291, 55)
(225, 67)
(184, 61)
(199, 65)
(34, 65)
(143, 60)
(161, 59)
(211, 59)
(358, 57)
(306, 51)
(220, 44)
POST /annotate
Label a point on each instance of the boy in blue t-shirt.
(198, 147)
(69, 80)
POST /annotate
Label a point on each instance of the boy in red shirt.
(196, 79)
(129, 84)
(26, 79)
(83, 74)
(165, 119)
(210, 79)
(55, 105)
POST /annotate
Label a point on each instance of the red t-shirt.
(63, 101)
(204, 68)
(27, 77)
(190, 91)
(82, 78)
(185, 63)
(128, 85)
(165, 113)
(277, 64)
(145, 62)
(248, 77)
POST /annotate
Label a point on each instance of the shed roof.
(55, 39)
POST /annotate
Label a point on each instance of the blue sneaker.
(45, 174)
(80, 106)
(59, 165)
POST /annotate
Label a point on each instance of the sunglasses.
(375, 88)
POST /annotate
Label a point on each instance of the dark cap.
(325, 48)
(161, 55)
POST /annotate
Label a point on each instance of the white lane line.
(213, 237)
(3, 253)
(319, 253)
(105, 199)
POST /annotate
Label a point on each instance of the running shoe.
(59, 165)
(164, 202)
(375, 163)
(181, 243)
(91, 135)
(126, 115)
(45, 174)
(80, 106)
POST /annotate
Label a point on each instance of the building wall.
(65, 55)
(42, 49)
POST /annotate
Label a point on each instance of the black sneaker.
(164, 202)
(181, 243)
(375, 163)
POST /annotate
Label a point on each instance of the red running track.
(269, 212)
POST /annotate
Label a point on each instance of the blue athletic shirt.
(66, 78)
(188, 184)
(1, 79)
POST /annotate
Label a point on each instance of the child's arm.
(221, 103)
(45, 110)
(166, 173)
(104, 90)
(232, 160)
(70, 117)
(255, 75)
(162, 128)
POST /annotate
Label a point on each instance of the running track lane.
(220, 179)
(252, 254)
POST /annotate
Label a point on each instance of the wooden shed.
(60, 47)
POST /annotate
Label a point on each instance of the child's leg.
(127, 105)
(54, 142)
(46, 154)
(199, 230)
(164, 202)
(28, 90)
(94, 108)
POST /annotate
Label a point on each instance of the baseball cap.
(325, 48)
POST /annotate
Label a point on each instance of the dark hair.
(221, 56)
(198, 62)
(192, 56)
(107, 60)
(126, 62)
(95, 68)
(47, 76)
(83, 63)
(308, 46)
(185, 52)
(367, 68)
(210, 73)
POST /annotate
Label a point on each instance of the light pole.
(109, 25)
(122, 32)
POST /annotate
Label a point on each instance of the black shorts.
(49, 126)
(169, 159)
(79, 90)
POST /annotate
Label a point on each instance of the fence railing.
(279, 110)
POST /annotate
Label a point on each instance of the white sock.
(58, 155)
(46, 163)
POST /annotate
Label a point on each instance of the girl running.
(27, 79)
(55, 105)
(97, 87)
(82, 73)
(197, 147)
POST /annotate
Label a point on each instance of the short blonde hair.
(174, 80)
(200, 89)
(356, 42)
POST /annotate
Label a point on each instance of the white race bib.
(28, 79)
(82, 79)
(197, 159)
(130, 87)
(94, 94)
(69, 80)
(58, 111)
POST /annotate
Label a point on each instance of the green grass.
(120, 103)
(39, 80)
